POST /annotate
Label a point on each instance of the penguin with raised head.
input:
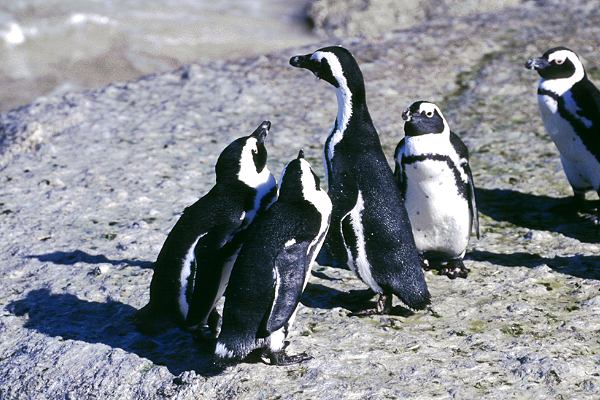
(570, 108)
(370, 230)
(273, 268)
(434, 176)
(193, 267)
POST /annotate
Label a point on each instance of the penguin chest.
(581, 167)
(438, 211)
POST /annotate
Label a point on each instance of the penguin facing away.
(434, 176)
(273, 268)
(193, 267)
(370, 230)
(570, 108)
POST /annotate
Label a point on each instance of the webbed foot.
(384, 306)
(454, 269)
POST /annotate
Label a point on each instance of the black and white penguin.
(434, 176)
(370, 230)
(194, 264)
(273, 268)
(570, 108)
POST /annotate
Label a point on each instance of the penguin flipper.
(209, 270)
(463, 153)
(398, 173)
(472, 202)
(289, 285)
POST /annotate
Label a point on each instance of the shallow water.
(55, 46)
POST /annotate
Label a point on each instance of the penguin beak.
(262, 131)
(536, 64)
(300, 61)
(305, 61)
(300, 154)
(406, 115)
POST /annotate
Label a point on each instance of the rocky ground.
(92, 182)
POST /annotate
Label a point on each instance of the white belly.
(581, 167)
(439, 215)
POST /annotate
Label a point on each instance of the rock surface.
(373, 18)
(92, 182)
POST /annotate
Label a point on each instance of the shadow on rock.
(320, 296)
(110, 323)
(587, 267)
(72, 257)
(537, 212)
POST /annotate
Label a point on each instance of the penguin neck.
(351, 106)
(431, 143)
(562, 85)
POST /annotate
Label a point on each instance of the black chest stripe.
(587, 135)
(461, 186)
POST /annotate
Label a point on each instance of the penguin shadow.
(586, 267)
(537, 212)
(72, 257)
(66, 316)
(320, 296)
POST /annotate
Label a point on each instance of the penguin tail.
(150, 321)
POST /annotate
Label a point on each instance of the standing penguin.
(273, 268)
(370, 230)
(194, 264)
(570, 108)
(434, 176)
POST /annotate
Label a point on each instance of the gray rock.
(98, 178)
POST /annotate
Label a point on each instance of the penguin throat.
(344, 99)
(561, 85)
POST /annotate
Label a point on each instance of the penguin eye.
(429, 114)
(560, 61)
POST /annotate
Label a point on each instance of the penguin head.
(557, 63)
(298, 181)
(424, 118)
(245, 159)
(333, 64)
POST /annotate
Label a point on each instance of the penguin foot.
(455, 269)
(594, 219)
(577, 204)
(384, 306)
(280, 358)
(210, 331)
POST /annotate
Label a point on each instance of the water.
(55, 46)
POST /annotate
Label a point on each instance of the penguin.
(193, 267)
(370, 230)
(434, 176)
(273, 268)
(570, 108)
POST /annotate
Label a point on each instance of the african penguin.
(570, 108)
(194, 264)
(370, 230)
(434, 176)
(273, 268)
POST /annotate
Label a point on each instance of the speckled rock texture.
(92, 182)
(374, 18)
